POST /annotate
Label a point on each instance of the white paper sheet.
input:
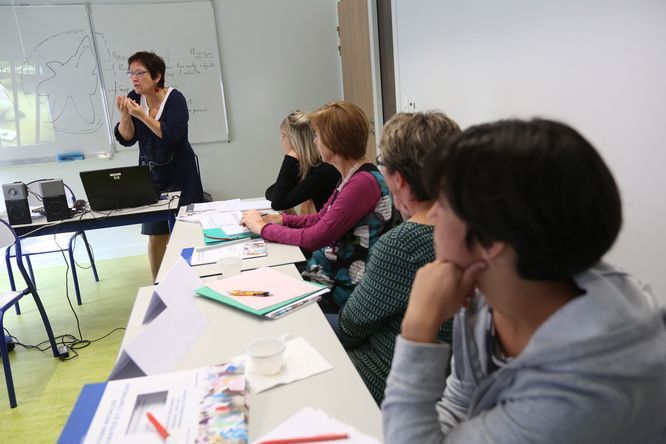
(247, 248)
(314, 422)
(180, 282)
(220, 205)
(161, 344)
(232, 205)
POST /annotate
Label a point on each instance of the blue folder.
(82, 414)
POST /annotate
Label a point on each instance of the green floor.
(46, 388)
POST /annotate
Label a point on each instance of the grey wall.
(276, 56)
(598, 65)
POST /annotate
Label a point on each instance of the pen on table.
(315, 438)
(293, 306)
(159, 427)
(249, 293)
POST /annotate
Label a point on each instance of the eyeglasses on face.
(379, 160)
(136, 73)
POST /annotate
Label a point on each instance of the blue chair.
(50, 244)
(8, 238)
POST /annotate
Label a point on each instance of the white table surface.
(340, 392)
(189, 234)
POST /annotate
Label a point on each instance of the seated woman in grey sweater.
(554, 346)
(370, 320)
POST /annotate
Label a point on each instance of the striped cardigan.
(371, 318)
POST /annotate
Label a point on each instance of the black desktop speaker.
(54, 200)
(16, 202)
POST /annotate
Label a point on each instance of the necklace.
(349, 174)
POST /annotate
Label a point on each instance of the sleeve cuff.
(426, 361)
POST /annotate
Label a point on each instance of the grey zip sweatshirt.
(594, 372)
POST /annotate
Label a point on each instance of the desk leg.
(171, 220)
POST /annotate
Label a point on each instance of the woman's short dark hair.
(407, 138)
(153, 63)
(537, 185)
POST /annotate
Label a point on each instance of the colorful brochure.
(203, 405)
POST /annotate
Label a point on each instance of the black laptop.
(115, 188)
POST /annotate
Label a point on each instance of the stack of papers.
(228, 205)
(222, 227)
(220, 220)
(313, 423)
(246, 248)
(286, 293)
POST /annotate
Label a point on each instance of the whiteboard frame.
(35, 160)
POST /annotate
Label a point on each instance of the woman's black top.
(171, 158)
(288, 191)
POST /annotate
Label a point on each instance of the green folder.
(214, 295)
(217, 235)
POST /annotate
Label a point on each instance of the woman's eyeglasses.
(136, 73)
(380, 161)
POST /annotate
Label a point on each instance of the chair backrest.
(7, 235)
(35, 193)
(9, 238)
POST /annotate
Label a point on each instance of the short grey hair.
(408, 138)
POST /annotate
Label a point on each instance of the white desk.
(188, 234)
(340, 392)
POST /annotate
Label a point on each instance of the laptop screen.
(116, 188)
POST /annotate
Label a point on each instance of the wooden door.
(356, 64)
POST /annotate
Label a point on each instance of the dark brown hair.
(153, 63)
(343, 127)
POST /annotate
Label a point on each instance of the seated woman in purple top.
(343, 231)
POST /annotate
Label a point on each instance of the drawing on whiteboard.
(67, 85)
(60, 86)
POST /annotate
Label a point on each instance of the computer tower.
(54, 200)
(16, 202)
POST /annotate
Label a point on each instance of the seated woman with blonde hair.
(352, 219)
(303, 178)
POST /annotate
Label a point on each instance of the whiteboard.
(184, 35)
(48, 69)
(61, 67)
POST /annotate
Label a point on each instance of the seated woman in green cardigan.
(371, 318)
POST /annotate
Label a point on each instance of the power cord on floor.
(71, 342)
(68, 342)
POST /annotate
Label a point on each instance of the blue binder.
(82, 414)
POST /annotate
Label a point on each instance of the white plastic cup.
(230, 265)
(266, 355)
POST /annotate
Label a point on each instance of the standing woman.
(303, 176)
(156, 117)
